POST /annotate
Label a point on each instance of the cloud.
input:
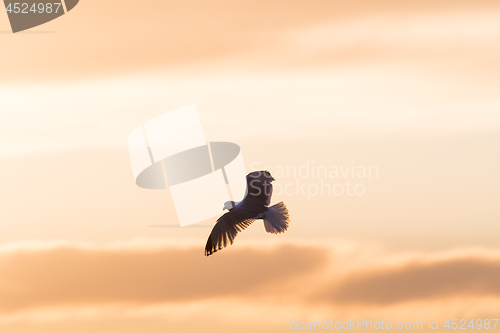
(412, 281)
(176, 282)
(82, 277)
(162, 35)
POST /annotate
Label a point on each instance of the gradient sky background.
(409, 87)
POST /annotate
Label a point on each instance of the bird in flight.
(241, 214)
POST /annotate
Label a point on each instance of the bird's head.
(229, 205)
(262, 175)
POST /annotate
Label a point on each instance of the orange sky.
(409, 87)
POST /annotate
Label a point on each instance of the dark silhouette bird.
(241, 214)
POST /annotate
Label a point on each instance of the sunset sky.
(409, 88)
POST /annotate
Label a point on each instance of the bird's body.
(254, 206)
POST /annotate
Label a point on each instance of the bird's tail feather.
(276, 219)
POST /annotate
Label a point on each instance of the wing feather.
(226, 229)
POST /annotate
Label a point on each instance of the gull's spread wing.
(227, 227)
